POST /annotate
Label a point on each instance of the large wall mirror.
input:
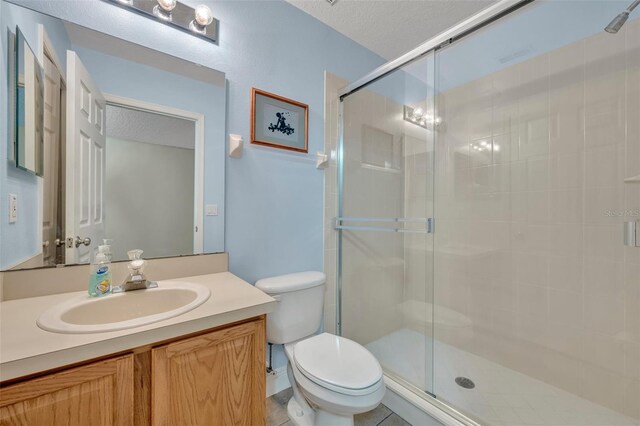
(110, 146)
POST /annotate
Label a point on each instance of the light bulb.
(417, 111)
(204, 16)
(167, 5)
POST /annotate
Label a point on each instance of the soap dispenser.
(100, 276)
(136, 279)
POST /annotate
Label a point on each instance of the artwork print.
(278, 122)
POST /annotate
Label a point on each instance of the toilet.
(333, 378)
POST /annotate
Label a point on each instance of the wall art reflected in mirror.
(109, 147)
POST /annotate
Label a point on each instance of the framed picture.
(278, 122)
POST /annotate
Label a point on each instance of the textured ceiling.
(391, 27)
(149, 127)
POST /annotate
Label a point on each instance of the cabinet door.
(217, 378)
(100, 393)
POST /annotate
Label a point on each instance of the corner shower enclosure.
(481, 200)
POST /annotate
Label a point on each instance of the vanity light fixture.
(203, 17)
(163, 9)
(197, 21)
(420, 118)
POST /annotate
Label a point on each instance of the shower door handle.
(390, 224)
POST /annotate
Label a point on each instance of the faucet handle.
(135, 254)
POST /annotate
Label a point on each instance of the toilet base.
(318, 418)
(297, 415)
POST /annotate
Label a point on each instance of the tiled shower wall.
(530, 203)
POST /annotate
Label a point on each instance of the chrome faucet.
(136, 280)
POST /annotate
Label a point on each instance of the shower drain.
(465, 382)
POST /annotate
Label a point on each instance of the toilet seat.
(338, 364)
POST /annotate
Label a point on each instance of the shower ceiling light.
(420, 118)
(198, 22)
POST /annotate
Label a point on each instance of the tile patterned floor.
(380, 416)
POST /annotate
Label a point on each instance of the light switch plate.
(13, 208)
(212, 210)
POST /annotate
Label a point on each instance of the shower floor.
(501, 397)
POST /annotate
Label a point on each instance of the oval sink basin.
(84, 314)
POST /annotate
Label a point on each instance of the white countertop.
(26, 349)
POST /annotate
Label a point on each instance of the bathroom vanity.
(205, 366)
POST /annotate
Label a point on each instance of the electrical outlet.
(13, 208)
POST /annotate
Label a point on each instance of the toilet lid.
(337, 361)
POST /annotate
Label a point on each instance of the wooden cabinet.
(215, 377)
(100, 393)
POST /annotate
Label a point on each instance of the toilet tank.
(300, 304)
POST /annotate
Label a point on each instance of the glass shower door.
(385, 221)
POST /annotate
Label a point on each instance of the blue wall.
(19, 241)
(274, 199)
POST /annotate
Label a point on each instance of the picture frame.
(279, 122)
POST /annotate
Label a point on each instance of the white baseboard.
(277, 381)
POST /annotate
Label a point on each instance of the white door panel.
(86, 160)
(51, 160)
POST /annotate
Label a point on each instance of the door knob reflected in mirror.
(79, 241)
(58, 242)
